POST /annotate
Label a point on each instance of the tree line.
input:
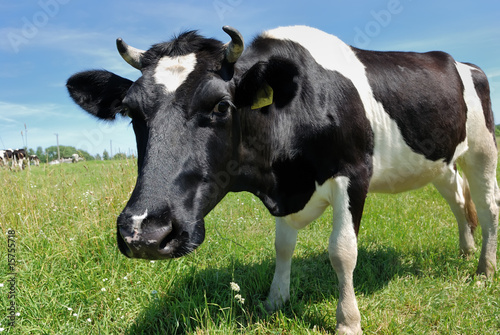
(50, 153)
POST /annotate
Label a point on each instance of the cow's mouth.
(162, 243)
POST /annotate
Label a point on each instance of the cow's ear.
(274, 81)
(99, 92)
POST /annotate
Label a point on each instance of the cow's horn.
(234, 48)
(131, 55)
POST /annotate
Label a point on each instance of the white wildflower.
(74, 314)
(235, 287)
(2, 329)
(1, 284)
(103, 289)
(89, 320)
(239, 298)
(70, 309)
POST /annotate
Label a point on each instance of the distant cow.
(6, 156)
(19, 158)
(303, 121)
(3, 157)
(34, 159)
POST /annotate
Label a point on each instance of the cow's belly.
(397, 168)
(405, 177)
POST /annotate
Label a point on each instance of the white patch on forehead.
(171, 72)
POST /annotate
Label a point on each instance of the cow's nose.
(151, 242)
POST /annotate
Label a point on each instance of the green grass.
(410, 278)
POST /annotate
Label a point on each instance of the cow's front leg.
(286, 238)
(347, 208)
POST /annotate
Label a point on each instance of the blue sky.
(44, 42)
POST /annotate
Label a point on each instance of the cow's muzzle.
(155, 241)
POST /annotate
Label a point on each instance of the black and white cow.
(6, 156)
(303, 121)
(19, 158)
(34, 159)
(3, 157)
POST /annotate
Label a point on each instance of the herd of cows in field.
(18, 159)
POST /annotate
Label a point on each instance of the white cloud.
(17, 112)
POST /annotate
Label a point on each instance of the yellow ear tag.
(264, 97)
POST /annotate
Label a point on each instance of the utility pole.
(26, 135)
(58, 153)
(27, 154)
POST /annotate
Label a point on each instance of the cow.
(19, 158)
(34, 159)
(3, 157)
(7, 156)
(303, 121)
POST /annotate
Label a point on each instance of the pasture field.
(71, 278)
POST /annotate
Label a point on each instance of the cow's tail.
(470, 208)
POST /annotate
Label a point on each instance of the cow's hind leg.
(455, 191)
(480, 169)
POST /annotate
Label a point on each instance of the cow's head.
(190, 111)
(184, 115)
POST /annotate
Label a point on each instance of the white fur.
(171, 72)
(136, 226)
(343, 250)
(286, 238)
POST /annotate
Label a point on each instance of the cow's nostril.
(122, 246)
(166, 240)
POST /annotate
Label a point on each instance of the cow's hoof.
(486, 269)
(271, 306)
(349, 330)
(467, 251)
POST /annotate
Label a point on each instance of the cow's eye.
(222, 107)
(126, 111)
